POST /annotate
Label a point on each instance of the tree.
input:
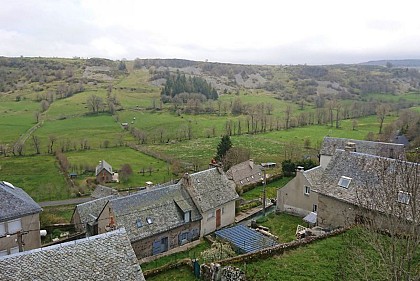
(235, 155)
(52, 140)
(288, 168)
(94, 103)
(382, 111)
(287, 116)
(222, 148)
(125, 173)
(37, 116)
(37, 143)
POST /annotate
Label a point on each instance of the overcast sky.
(235, 31)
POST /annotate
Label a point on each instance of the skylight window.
(149, 220)
(344, 182)
(403, 197)
(139, 223)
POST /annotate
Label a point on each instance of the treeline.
(178, 84)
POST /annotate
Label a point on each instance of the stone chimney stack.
(300, 169)
(350, 147)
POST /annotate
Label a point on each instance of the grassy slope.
(38, 175)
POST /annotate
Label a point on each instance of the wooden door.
(218, 218)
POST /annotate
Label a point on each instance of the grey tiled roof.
(210, 189)
(247, 172)
(107, 256)
(103, 191)
(15, 203)
(90, 211)
(390, 150)
(313, 175)
(103, 165)
(158, 204)
(369, 174)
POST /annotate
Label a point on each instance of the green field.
(39, 176)
(117, 157)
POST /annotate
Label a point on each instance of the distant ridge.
(397, 63)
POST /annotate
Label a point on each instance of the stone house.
(19, 220)
(103, 172)
(383, 149)
(104, 257)
(156, 220)
(245, 173)
(356, 187)
(214, 195)
(297, 197)
(85, 215)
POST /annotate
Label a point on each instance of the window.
(14, 250)
(187, 216)
(198, 180)
(252, 176)
(344, 182)
(149, 220)
(403, 197)
(241, 182)
(307, 190)
(14, 226)
(139, 223)
(247, 179)
(2, 229)
(314, 208)
(223, 210)
(210, 216)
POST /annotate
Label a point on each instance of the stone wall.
(143, 247)
(215, 272)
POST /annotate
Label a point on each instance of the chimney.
(350, 147)
(299, 169)
(186, 179)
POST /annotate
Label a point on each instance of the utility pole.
(19, 240)
(264, 195)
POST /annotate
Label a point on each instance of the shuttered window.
(2, 229)
(14, 226)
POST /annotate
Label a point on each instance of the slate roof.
(165, 206)
(107, 256)
(210, 189)
(15, 203)
(245, 239)
(89, 211)
(103, 165)
(390, 150)
(103, 191)
(371, 177)
(310, 218)
(247, 172)
(313, 175)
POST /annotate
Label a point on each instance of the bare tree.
(287, 116)
(382, 111)
(37, 116)
(37, 143)
(389, 213)
(52, 140)
(235, 155)
(125, 172)
(94, 103)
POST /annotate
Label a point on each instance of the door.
(218, 218)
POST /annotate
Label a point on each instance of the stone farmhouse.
(156, 220)
(214, 195)
(104, 257)
(301, 196)
(356, 186)
(19, 220)
(103, 172)
(245, 173)
(85, 215)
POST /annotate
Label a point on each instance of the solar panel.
(245, 239)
